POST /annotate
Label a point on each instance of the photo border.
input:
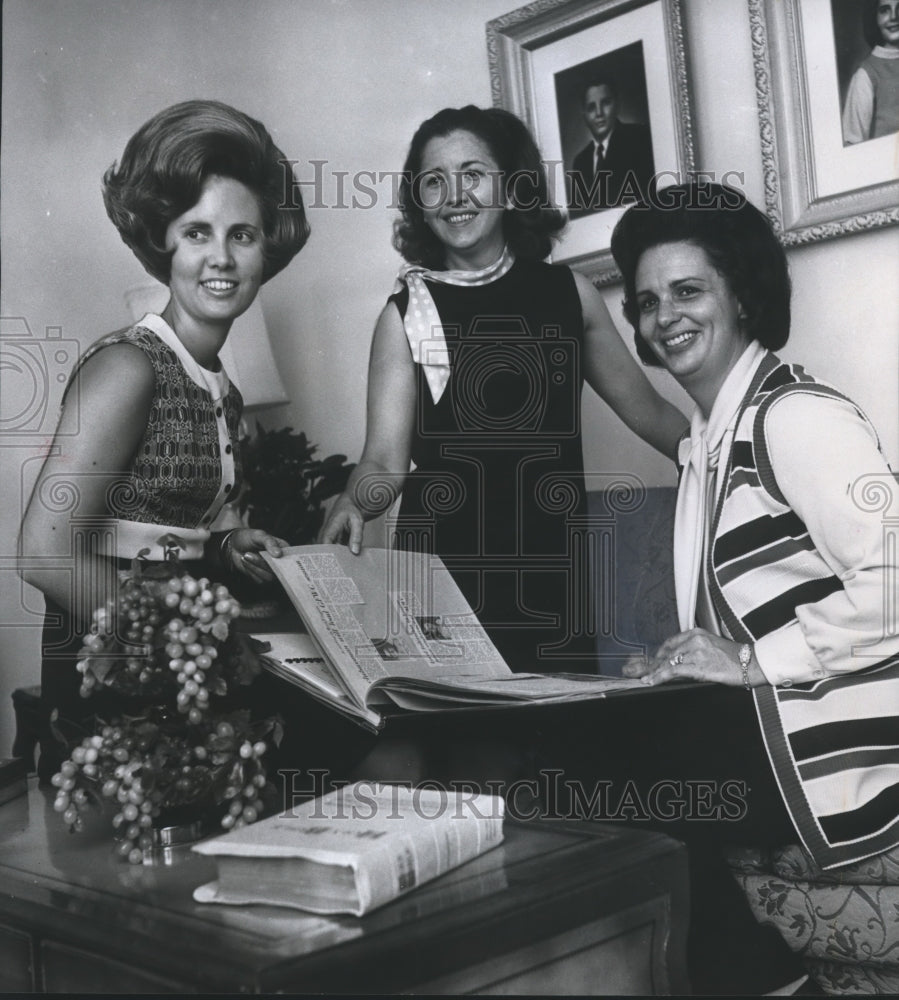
(514, 37)
(798, 214)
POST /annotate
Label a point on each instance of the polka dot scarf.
(424, 331)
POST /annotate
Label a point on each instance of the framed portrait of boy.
(602, 84)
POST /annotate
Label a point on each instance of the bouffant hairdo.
(167, 162)
(738, 240)
(530, 221)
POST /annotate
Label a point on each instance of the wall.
(346, 82)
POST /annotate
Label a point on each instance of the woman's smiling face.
(689, 316)
(218, 258)
(462, 199)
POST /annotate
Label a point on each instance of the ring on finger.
(676, 661)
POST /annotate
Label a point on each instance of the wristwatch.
(745, 660)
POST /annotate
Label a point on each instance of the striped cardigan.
(834, 752)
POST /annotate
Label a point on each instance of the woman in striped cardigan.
(784, 548)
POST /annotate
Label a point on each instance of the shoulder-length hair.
(167, 162)
(530, 221)
(738, 240)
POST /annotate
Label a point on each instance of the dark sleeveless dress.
(497, 489)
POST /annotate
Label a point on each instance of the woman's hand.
(344, 524)
(243, 546)
(695, 655)
(378, 478)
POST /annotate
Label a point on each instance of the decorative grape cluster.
(191, 640)
(126, 663)
(147, 765)
(167, 640)
(247, 778)
(146, 660)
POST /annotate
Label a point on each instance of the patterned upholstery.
(844, 922)
(794, 862)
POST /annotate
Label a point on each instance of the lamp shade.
(246, 354)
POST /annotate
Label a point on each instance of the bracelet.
(745, 660)
(225, 548)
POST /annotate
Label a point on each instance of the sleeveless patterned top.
(187, 465)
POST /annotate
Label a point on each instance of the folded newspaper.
(353, 849)
(389, 630)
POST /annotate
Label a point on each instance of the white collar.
(215, 383)
(739, 378)
(883, 52)
(727, 403)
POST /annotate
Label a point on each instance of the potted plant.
(287, 486)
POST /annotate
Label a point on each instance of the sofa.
(844, 922)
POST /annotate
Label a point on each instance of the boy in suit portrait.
(616, 167)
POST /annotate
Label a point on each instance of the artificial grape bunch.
(144, 659)
(126, 661)
(149, 765)
(168, 641)
(193, 640)
(247, 780)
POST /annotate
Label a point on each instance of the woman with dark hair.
(476, 372)
(520, 171)
(782, 574)
(780, 566)
(147, 443)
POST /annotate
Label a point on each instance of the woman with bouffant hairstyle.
(148, 434)
(165, 164)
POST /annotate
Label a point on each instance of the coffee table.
(559, 908)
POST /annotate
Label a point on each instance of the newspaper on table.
(352, 850)
(389, 629)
